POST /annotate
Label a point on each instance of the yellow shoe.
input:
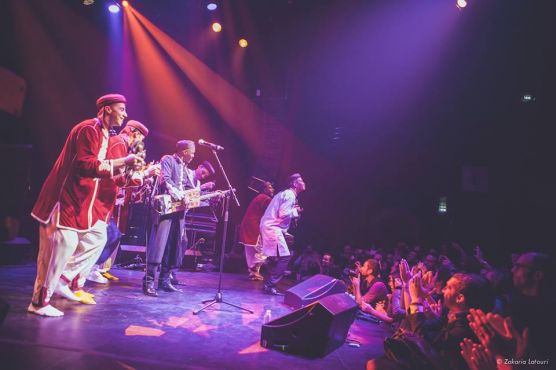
(82, 293)
(87, 300)
(109, 276)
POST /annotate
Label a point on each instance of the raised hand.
(497, 334)
(414, 270)
(505, 329)
(521, 340)
(436, 309)
(478, 323)
(429, 282)
(415, 289)
(467, 352)
(477, 356)
(356, 281)
(421, 266)
(405, 272)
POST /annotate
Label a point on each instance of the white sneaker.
(97, 277)
(62, 289)
(47, 311)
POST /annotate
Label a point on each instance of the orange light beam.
(236, 109)
(171, 104)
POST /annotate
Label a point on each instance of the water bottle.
(267, 317)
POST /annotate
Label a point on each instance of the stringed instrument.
(163, 204)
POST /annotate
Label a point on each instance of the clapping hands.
(477, 356)
(405, 272)
(498, 334)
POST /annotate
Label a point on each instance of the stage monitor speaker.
(313, 289)
(314, 330)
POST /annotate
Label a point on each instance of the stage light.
(114, 8)
(243, 43)
(461, 4)
(442, 206)
(212, 6)
(216, 27)
(88, 2)
(125, 3)
(527, 98)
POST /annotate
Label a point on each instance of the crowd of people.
(449, 309)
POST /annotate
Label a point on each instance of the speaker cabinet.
(314, 330)
(313, 289)
(136, 227)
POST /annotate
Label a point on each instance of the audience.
(307, 264)
(367, 287)
(458, 310)
(327, 266)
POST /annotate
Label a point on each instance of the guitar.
(163, 204)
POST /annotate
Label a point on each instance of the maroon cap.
(138, 126)
(110, 99)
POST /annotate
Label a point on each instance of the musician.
(168, 237)
(203, 171)
(130, 139)
(249, 231)
(283, 208)
(72, 212)
(107, 190)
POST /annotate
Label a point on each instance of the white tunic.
(276, 221)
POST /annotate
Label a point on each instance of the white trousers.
(254, 254)
(67, 252)
(89, 248)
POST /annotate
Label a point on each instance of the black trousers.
(276, 268)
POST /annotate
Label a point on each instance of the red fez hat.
(136, 125)
(110, 99)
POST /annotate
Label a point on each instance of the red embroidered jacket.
(73, 183)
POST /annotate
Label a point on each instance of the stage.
(128, 330)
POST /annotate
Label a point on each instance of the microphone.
(210, 145)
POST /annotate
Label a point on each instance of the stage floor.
(128, 330)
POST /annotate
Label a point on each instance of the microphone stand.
(218, 297)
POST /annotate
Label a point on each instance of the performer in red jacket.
(72, 209)
(249, 231)
(129, 140)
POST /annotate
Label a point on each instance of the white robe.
(276, 221)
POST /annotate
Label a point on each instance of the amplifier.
(200, 226)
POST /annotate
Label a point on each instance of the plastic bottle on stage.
(267, 317)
